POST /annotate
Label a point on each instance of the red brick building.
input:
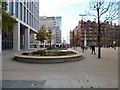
(109, 33)
(79, 33)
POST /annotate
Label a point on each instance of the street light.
(85, 40)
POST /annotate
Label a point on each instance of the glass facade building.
(16, 9)
(7, 42)
(11, 7)
(53, 23)
(28, 10)
(26, 13)
(119, 13)
(58, 29)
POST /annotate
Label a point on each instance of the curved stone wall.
(47, 59)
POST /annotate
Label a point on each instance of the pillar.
(16, 37)
(27, 38)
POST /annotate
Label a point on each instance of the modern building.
(0, 29)
(58, 29)
(119, 13)
(26, 13)
(49, 24)
(53, 24)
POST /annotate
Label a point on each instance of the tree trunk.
(50, 43)
(38, 45)
(99, 46)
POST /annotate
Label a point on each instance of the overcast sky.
(69, 10)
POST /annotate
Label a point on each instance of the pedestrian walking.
(82, 48)
(93, 49)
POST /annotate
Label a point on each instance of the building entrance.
(7, 40)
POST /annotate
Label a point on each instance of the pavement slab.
(90, 72)
(23, 84)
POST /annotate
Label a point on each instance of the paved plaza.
(89, 72)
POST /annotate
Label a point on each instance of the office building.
(0, 28)
(119, 13)
(58, 29)
(53, 24)
(26, 13)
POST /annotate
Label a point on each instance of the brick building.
(79, 33)
(109, 33)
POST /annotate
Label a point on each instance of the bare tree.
(103, 11)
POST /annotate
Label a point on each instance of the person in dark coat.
(83, 48)
(93, 49)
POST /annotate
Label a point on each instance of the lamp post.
(85, 40)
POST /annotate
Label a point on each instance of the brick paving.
(90, 72)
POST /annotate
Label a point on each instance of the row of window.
(7, 41)
(32, 8)
(25, 15)
(11, 7)
(7, 45)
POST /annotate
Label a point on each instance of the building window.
(27, 4)
(27, 16)
(4, 5)
(11, 7)
(29, 19)
(24, 14)
(20, 11)
(16, 9)
(32, 20)
(34, 11)
(32, 7)
(22, 38)
(24, 2)
(7, 40)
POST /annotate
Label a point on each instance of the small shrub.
(39, 52)
(56, 48)
(45, 53)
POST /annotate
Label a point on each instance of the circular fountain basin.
(48, 59)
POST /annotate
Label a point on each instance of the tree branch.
(104, 10)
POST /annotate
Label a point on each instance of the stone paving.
(90, 72)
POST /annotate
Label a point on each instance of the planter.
(48, 59)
